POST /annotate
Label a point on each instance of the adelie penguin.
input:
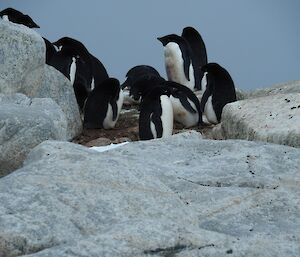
(156, 114)
(98, 71)
(179, 61)
(193, 37)
(219, 91)
(74, 61)
(103, 105)
(15, 16)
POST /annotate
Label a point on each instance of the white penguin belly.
(166, 116)
(73, 70)
(204, 82)
(152, 127)
(175, 66)
(182, 115)
(210, 112)
(108, 121)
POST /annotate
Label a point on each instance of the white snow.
(107, 147)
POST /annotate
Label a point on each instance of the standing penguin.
(97, 72)
(179, 60)
(15, 16)
(219, 91)
(156, 115)
(80, 71)
(103, 105)
(197, 45)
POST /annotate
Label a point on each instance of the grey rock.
(284, 88)
(181, 196)
(56, 86)
(22, 58)
(274, 118)
(25, 123)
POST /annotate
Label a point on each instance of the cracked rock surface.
(182, 196)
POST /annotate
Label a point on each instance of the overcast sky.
(257, 41)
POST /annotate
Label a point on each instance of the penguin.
(50, 51)
(140, 80)
(186, 105)
(193, 37)
(15, 16)
(74, 61)
(103, 105)
(179, 60)
(97, 69)
(156, 115)
(220, 90)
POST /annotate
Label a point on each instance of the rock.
(181, 196)
(56, 86)
(285, 88)
(274, 118)
(25, 123)
(22, 59)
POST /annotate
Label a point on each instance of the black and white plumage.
(97, 72)
(186, 105)
(178, 60)
(156, 115)
(193, 37)
(15, 16)
(103, 105)
(140, 80)
(219, 91)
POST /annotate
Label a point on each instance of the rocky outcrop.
(25, 123)
(56, 86)
(285, 88)
(22, 59)
(208, 198)
(23, 70)
(274, 118)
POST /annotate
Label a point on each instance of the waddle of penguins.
(103, 105)
(193, 37)
(12, 15)
(219, 91)
(156, 114)
(186, 106)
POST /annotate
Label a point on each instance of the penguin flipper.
(114, 107)
(155, 118)
(185, 103)
(204, 99)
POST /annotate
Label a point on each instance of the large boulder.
(181, 196)
(22, 59)
(56, 86)
(25, 123)
(274, 118)
(284, 88)
(23, 70)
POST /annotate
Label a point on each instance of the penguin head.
(18, 17)
(211, 67)
(110, 86)
(170, 38)
(139, 79)
(69, 42)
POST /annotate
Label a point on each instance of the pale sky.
(257, 41)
